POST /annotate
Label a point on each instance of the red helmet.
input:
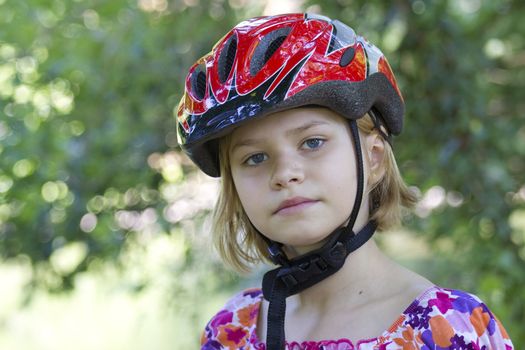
(269, 64)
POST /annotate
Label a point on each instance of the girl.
(295, 113)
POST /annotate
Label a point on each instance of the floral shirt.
(438, 319)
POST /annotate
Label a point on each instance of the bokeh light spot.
(23, 94)
(62, 100)
(97, 204)
(77, 127)
(418, 7)
(5, 212)
(88, 222)
(26, 65)
(494, 48)
(50, 191)
(7, 51)
(67, 258)
(434, 198)
(23, 168)
(153, 5)
(4, 130)
(5, 183)
(171, 169)
(91, 19)
(54, 190)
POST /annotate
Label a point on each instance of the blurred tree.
(88, 158)
(87, 130)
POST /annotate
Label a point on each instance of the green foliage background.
(88, 155)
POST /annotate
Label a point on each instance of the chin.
(302, 236)
(303, 246)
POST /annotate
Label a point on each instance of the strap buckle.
(304, 272)
(277, 255)
(337, 254)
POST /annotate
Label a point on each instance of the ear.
(375, 151)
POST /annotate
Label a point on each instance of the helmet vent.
(342, 36)
(274, 45)
(347, 57)
(227, 58)
(198, 82)
(268, 45)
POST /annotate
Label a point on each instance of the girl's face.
(295, 173)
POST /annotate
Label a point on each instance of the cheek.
(342, 187)
(341, 183)
(248, 192)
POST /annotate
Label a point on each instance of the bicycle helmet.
(270, 64)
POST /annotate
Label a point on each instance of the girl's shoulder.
(450, 319)
(234, 325)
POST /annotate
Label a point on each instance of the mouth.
(294, 205)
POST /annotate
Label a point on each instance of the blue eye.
(313, 143)
(256, 159)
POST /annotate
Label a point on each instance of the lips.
(294, 204)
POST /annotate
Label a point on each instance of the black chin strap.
(282, 282)
(294, 276)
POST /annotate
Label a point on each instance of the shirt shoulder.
(233, 327)
(450, 319)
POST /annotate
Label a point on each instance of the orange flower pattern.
(438, 319)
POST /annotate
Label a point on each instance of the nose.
(287, 172)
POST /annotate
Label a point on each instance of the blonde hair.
(241, 246)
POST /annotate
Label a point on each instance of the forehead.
(288, 121)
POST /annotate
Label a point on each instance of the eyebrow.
(291, 132)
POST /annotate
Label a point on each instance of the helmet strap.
(304, 272)
(295, 275)
(379, 124)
